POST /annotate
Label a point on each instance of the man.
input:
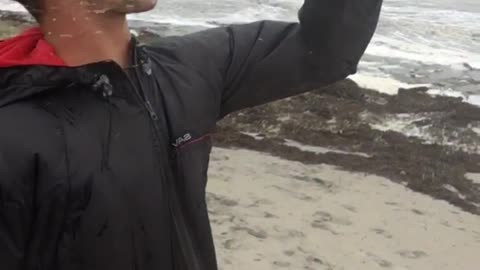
(104, 142)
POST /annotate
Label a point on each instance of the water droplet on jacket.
(147, 68)
(103, 83)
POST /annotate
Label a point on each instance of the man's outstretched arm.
(265, 61)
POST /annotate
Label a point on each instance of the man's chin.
(138, 7)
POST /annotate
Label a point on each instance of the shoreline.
(333, 125)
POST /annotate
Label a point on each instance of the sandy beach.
(269, 213)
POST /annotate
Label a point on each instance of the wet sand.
(270, 213)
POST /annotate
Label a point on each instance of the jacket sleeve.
(265, 61)
(15, 207)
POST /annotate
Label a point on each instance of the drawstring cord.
(108, 138)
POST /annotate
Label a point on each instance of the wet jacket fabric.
(102, 168)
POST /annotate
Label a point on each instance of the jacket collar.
(106, 77)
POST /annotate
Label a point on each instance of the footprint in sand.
(227, 262)
(221, 200)
(320, 225)
(313, 259)
(296, 234)
(226, 170)
(327, 217)
(313, 263)
(412, 254)
(227, 202)
(298, 195)
(391, 203)
(269, 215)
(350, 208)
(281, 264)
(324, 219)
(380, 261)
(446, 223)
(260, 234)
(382, 232)
(323, 183)
(259, 257)
(418, 212)
(231, 244)
(301, 250)
(259, 202)
(323, 216)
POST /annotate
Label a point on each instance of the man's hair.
(32, 6)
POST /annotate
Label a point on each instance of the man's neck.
(86, 37)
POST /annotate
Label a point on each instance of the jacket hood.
(29, 66)
(27, 49)
(26, 63)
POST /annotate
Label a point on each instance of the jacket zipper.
(172, 201)
(191, 261)
(157, 144)
(153, 117)
(150, 109)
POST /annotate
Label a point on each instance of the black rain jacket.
(105, 169)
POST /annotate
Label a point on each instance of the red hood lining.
(27, 49)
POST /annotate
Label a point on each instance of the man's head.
(38, 7)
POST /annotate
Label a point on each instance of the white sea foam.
(472, 99)
(386, 85)
(411, 125)
(405, 124)
(390, 86)
(426, 53)
(11, 6)
(172, 20)
(256, 136)
(474, 177)
(217, 17)
(427, 33)
(321, 150)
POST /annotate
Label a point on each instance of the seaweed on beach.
(347, 117)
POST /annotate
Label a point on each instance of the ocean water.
(429, 42)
